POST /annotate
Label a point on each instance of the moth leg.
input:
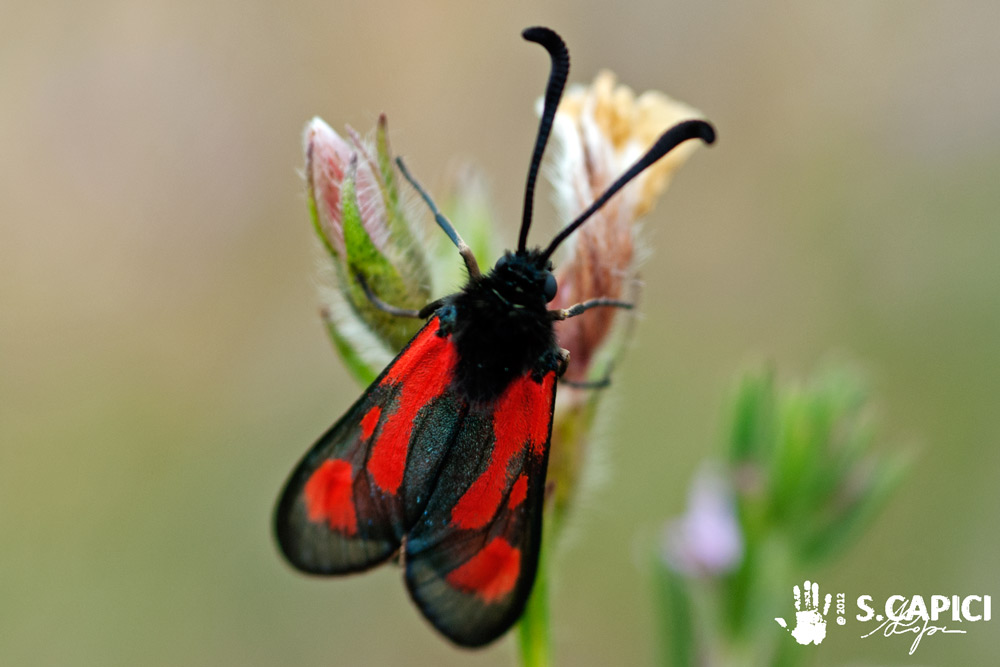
(470, 260)
(393, 310)
(603, 383)
(573, 311)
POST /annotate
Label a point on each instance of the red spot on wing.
(521, 418)
(423, 371)
(490, 574)
(539, 417)
(518, 492)
(370, 421)
(328, 496)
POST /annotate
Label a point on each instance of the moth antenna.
(669, 140)
(443, 222)
(553, 92)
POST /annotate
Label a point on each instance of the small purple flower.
(706, 540)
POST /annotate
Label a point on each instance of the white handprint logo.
(810, 624)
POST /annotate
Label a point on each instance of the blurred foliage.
(804, 481)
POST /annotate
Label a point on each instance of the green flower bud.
(355, 208)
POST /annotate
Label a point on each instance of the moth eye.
(502, 261)
(551, 287)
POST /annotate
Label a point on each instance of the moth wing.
(358, 490)
(471, 558)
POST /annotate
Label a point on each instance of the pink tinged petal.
(599, 256)
(707, 540)
(327, 160)
(371, 194)
(598, 132)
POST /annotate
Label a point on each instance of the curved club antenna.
(669, 140)
(553, 92)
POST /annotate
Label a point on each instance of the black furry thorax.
(501, 325)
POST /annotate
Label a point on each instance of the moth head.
(529, 271)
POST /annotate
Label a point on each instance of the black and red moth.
(442, 460)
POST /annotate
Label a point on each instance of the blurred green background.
(163, 365)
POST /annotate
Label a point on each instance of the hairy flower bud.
(357, 215)
(599, 131)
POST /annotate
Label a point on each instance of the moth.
(441, 462)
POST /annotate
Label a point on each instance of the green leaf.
(413, 259)
(351, 356)
(676, 626)
(364, 258)
(838, 532)
(753, 420)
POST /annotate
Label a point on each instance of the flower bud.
(356, 211)
(599, 132)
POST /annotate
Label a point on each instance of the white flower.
(599, 131)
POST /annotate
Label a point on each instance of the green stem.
(676, 616)
(533, 637)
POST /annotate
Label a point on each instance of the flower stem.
(533, 638)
